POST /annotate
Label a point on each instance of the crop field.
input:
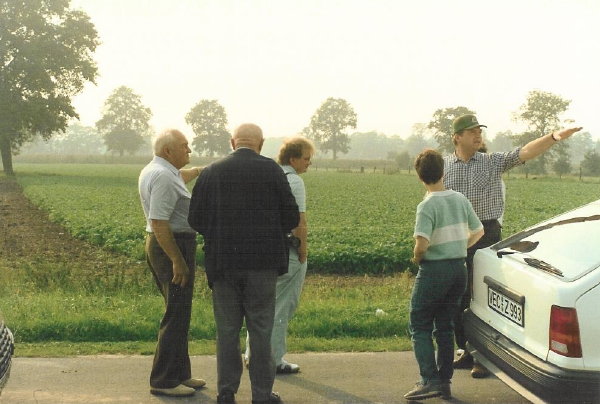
(360, 227)
(358, 223)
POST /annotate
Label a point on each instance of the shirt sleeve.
(423, 224)
(297, 187)
(202, 214)
(507, 160)
(290, 215)
(163, 197)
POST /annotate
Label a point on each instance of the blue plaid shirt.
(480, 180)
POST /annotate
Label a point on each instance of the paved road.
(352, 378)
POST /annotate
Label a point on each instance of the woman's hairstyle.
(294, 147)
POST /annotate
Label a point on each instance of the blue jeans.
(435, 300)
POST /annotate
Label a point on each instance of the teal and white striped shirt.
(445, 219)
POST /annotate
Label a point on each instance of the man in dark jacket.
(243, 206)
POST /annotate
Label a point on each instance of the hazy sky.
(395, 61)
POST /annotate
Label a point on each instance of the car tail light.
(564, 332)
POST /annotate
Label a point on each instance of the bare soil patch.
(27, 235)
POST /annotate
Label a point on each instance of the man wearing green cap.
(478, 176)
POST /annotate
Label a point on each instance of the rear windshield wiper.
(526, 233)
(520, 246)
(544, 266)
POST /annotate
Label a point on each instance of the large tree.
(441, 123)
(502, 142)
(562, 166)
(541, 113)
(208, 121)
(579, 145)
(404, 160)
(329, 123)
(125, 121)
(77, 139)
(419, 139)
(591, 163)
(46, 54)
(372, 145)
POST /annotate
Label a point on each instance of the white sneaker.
(287, 368)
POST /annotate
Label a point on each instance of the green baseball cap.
(463, 122)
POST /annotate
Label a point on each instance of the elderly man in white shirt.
(171, 255)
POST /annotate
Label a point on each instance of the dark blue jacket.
(243, 206)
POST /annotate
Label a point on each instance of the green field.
(360, 225)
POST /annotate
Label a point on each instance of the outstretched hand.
(566, 133)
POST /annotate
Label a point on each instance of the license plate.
(505, 306)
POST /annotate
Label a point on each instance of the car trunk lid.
(565, 246)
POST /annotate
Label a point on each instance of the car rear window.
(565, 246)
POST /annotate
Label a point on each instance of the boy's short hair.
(429, 166)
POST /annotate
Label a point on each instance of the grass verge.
(335, 314)
(207, 347)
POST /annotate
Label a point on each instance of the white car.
(534, 318)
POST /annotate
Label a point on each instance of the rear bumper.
(543, 379)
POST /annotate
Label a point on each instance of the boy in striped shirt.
(446, 225)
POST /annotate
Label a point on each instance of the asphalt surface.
(365, 378)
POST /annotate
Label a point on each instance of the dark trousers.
(435, 299)
(171, 363)
(493, 234)
(249, 295)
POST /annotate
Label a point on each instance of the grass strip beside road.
(335, 314)
(55, 349)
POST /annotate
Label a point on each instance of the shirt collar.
(164, 163)
(289, 169)
(244, 149)
(475, 157)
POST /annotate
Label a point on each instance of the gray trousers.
(287, 297)
(249, 295)
(171, 363)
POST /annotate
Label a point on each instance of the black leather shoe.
(479, 371)
(464, 361)
(445, 390)
(274, 399)
(226, 397)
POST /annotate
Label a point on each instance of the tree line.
(46, 57)
(125, 128)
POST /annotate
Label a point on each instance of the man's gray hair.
(164, 138)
